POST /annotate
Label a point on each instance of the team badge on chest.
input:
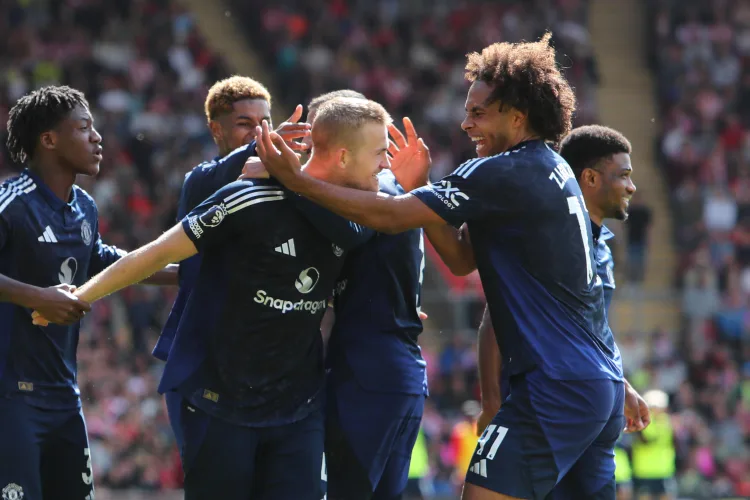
(86, 233)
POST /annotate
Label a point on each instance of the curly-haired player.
(533, 247)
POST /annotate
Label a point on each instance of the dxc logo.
(449, 194)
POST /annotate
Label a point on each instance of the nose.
(385, 164)
(631, 187)
(96, 137)
(467, 124)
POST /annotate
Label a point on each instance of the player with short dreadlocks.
(49, 244)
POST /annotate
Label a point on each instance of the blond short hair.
(224, 93)
(338, 121)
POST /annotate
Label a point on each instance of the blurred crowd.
(146, 69)
(700, 51)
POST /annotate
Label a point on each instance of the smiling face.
(492, 127)
(608, 187)
(368, 157)
(237, 128)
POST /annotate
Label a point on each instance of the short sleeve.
(238, 203)
(468, 193)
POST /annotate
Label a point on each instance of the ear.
(216, 131)
(343, 156)
(519, 117)
(588, 178)
(48, 140)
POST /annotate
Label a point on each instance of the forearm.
(16, 292)
(453, 247)
(378, 211)
(337, 229)
(489, 363)
(172, 246)
(169, 276)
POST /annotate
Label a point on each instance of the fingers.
(283, 147)
(296, 146)
(265, 147)
(297, 115)
(393, 149)
(422, 315)
(398, 137)
(294, 131)
(260, 149)
(411, 132)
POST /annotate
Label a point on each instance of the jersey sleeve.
(4, 228)
(475, 189)
(103, 255)
(204, 180)
(342, 232)
(237, 205)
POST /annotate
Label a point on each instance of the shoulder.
(239, 195)
(229, 167)
(14, 193)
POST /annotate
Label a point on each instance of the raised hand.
(278, 158)
(291, 129)
(410, 157)
(57, 304)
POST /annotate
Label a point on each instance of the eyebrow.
(250, 118)
(474, 108)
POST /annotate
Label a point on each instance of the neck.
(58, 180)
(321, 170)
(596, 215)
(526, 136)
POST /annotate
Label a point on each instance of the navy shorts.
(227, 461)
(552, 435)
(369, 441)
(44, 453)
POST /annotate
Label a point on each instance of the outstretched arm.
(136, 266)
(379, 211)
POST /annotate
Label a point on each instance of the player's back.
(378, 297)
(534, 251)
(43, 242)
(540, 256)
(261, 292)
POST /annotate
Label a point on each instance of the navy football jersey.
(200, 183)
(534, 250)
(44, 242)
(252, 322)
(605, 263)
(378, 297)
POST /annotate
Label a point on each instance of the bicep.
(175, 245)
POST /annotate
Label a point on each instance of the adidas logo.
(480, 468)
(47, 236)
(287, 248)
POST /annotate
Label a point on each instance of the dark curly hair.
(586, 146)
(525, 76)
(36, 113)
